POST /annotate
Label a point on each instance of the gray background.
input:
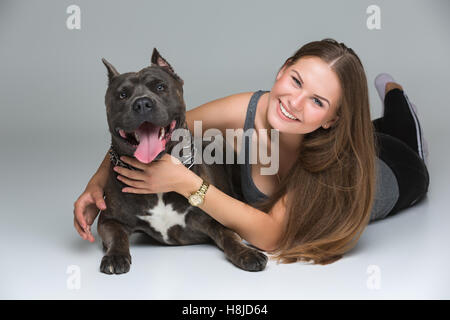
(53, 136)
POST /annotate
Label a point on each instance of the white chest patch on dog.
(162, 217)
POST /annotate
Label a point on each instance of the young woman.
(337, 171)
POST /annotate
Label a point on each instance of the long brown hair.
(330, 189)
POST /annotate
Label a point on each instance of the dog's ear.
(112, 72)
(158, 60)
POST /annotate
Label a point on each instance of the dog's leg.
(115, 241)
(236, 251)
(230, 242)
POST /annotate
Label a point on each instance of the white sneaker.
(380, 85)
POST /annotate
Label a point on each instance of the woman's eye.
(318, 102)
(297, 81)
(122, 95)
(160, 87)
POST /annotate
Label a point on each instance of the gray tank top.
(386, 194)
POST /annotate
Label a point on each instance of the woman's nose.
(297, 101)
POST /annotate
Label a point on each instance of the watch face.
(195, 199)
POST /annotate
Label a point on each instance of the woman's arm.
(260, 229)
(101, 175)
(88, 204)
(168, 174)
(224, 113)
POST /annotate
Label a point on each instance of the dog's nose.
(142, 105)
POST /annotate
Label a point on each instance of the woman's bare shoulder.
(224, 113)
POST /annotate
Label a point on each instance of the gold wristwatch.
(198, 197)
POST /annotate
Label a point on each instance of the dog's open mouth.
(149, 140)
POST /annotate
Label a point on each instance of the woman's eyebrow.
(301, 80)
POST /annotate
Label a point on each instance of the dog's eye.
(160, 87)
(123, 95)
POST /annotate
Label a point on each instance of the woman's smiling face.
(304, 97)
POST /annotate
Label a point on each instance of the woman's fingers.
(79, 209)
(86, 235)
(99, 201)
(133, 162)
(86, 209)
(81, 232)
(132, 174)
(132, 183)
(78, 228)
(137, 191)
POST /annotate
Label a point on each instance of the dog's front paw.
(251, 260)
(115, 264)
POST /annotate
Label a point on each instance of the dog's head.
(143, 108)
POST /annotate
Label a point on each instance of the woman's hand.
(86, 209)
(164, 175)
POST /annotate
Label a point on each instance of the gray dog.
(143, 109)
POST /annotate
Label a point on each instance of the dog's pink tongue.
(149, 144)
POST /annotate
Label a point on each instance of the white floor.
(404, 256)
(53, 136)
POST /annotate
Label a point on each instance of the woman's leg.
(409, 169)
(400, 120)
(399, 139)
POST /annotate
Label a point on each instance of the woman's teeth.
(287, 114)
